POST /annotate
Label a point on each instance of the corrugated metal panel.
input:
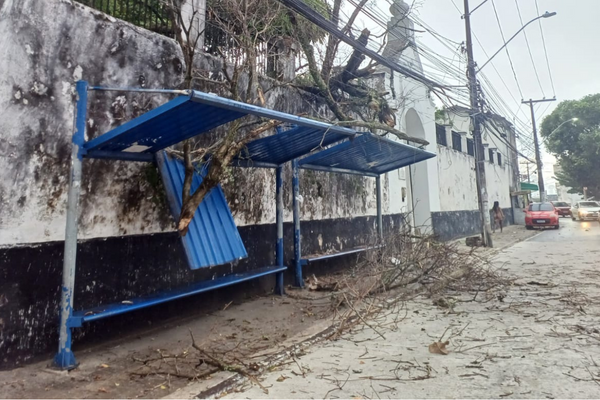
(212, 238)
(188, 116)
(290, 144)
(367, 154)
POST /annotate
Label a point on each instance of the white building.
(459, 209)
(443, 190)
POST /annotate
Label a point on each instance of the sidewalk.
(143, 366)
(538, 340)
(510, 235)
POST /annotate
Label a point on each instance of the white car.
(583, 210)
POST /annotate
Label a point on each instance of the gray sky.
(571, 40)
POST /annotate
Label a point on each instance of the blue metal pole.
(65, 359)
(296, 203)
(279, 289)
(379, 213)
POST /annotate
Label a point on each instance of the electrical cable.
(506, 48)
(310, 14)
(529, 50)
(545, 51)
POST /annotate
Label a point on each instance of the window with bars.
(456, 141)
(499, 159)
(491, 153)
(470, 147)
(440, 135)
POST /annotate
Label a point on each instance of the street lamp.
(566, 122)
(545, 139)
(545, 15)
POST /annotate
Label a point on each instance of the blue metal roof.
(288, 145)
(367, 154)
(183, 118)
(212, 237)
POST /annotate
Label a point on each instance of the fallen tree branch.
(383, 127)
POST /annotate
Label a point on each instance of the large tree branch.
(355, 13)
(189, 172)
(357, 57)
(332, 43)
(220, 160)
(315, 73)
(378, 126)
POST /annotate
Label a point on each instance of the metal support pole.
(296, 203)
(482, 195)
(65, 359)
(379, 214)
(538, 158)
(279, 220)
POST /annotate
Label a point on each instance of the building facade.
(459, 208)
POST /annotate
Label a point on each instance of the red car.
(541, 215)
(564, 209)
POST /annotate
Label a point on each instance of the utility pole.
(476, 115)
(527, 164)
(538, 158)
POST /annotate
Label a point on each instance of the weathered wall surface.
(129, 246)
(458, 189)
(450, 225)
(41, 59)
(459, 215)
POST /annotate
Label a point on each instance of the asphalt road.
(537, 338)
(570, 231)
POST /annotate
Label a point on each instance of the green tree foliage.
(576, 144)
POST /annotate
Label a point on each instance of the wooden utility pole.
(476, 116)
(538, 158)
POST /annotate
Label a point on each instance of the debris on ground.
(473, 241)
(439, 348)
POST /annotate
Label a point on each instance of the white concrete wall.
(457, 169)
(45, 47)
(415, 116)
(458, 189)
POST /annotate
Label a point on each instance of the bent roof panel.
(212, 238)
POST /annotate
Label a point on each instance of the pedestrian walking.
(498, 216)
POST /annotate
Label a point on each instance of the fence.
(153, 15)
(272, 59)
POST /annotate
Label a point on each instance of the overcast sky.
(572, 41)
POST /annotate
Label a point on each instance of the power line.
(545, 51)
(435, 60)
(506, 48)
(519, 136)
(509, 91)
(307, 12)
(529, 49)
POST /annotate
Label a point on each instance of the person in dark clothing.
(498, 216)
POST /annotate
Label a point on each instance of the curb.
(222, 382)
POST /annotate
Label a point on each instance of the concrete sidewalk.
(541, 340)
(509, 236)
(271, 324)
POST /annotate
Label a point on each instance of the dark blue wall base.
(450, 225)
(116, 269)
